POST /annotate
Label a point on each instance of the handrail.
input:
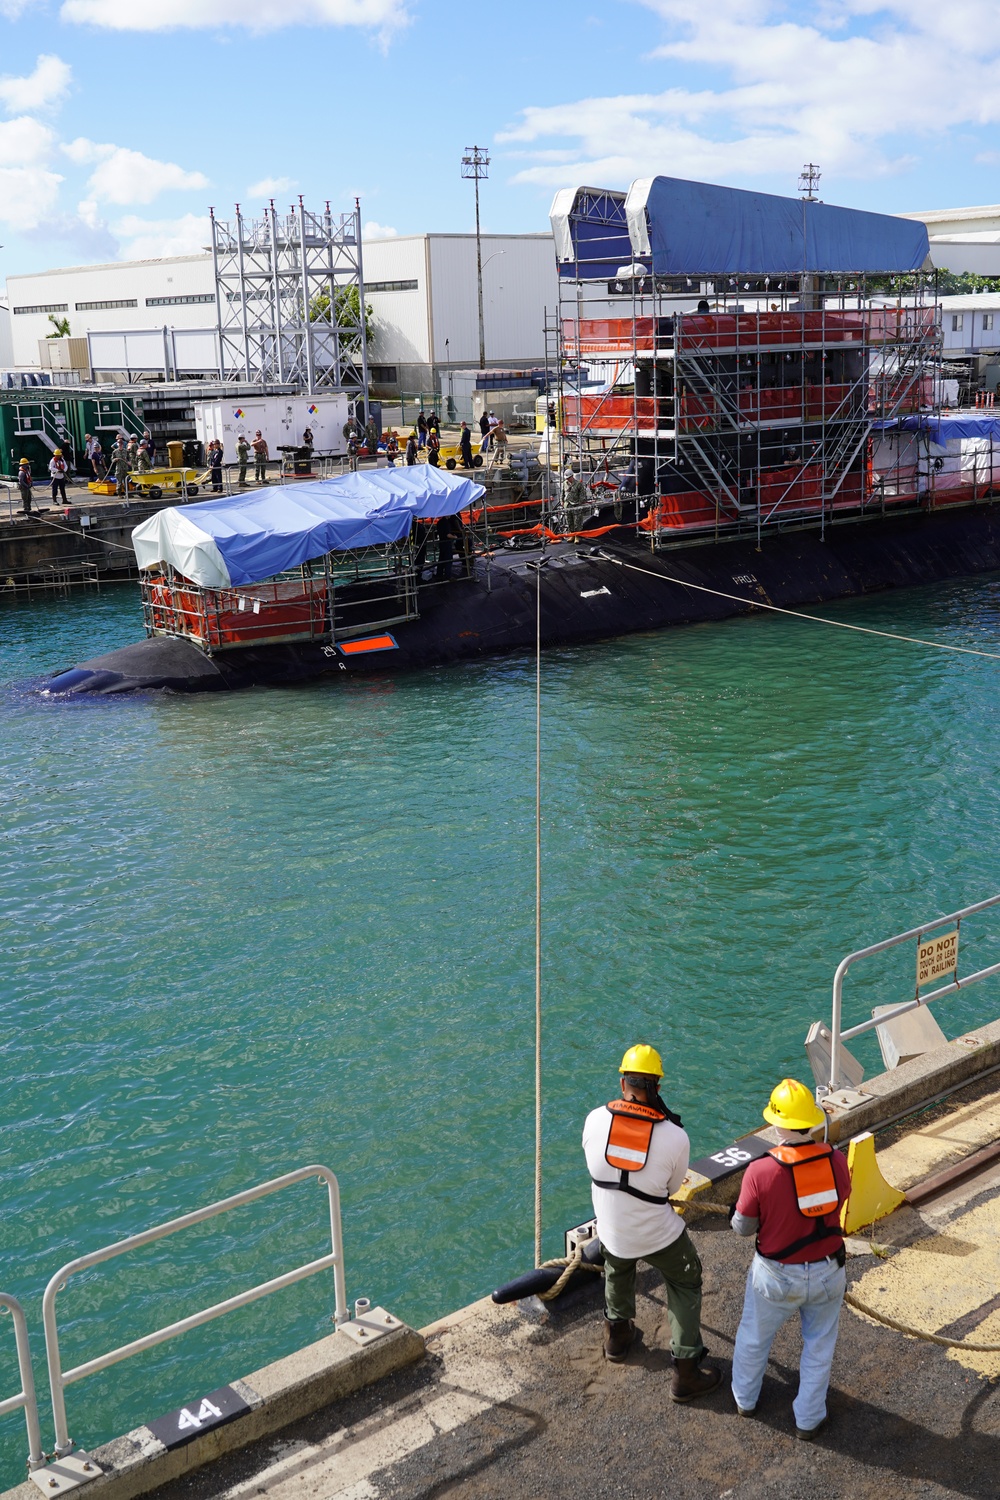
(26, 1395)
(59, 1379)
(837, 1036)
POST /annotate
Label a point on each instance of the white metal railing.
(25, 1397)
(837, 1036)
(59, 1378)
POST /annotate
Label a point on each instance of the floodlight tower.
(475, 164)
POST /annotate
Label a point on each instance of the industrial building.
(963, 239)
(158, 318)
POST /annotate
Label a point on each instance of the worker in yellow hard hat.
(24, 485)
(637, 1155)
(790, 1199)
(58, 469)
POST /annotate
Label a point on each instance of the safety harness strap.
(624, 1186)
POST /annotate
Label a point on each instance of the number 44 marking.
(206, 1411)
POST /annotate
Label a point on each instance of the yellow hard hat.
(24, 460)
(642, 1059)
(57, 453)
(792, 1106)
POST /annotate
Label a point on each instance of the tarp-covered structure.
(680, 228)
(244, 539)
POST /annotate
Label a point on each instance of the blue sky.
(122, 120)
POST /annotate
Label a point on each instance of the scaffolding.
(290, 298)
(736, 404)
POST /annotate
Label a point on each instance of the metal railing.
(59, 1378)
(837, 1036)
(25, 1398)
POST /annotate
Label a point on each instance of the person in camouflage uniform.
(243, 456)
(371, 437)
(143, 462)
(121, 466)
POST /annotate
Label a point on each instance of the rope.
(538, 916)
(918, 1333)
(571, 1263)
(889, 635)
(70, 532)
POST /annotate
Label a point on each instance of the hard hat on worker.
(24, 460)
(642, 1059)
(792, 1106)
(57, 452)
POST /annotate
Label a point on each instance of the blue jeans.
(775, 1293)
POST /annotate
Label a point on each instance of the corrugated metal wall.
(401, 332)
(519, 281)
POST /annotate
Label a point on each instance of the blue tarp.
(243, 540)
(696, 228)
(945, 429)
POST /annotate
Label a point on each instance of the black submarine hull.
(587, 594)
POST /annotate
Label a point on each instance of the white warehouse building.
(135, 319)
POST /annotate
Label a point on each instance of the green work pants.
(680, 1268)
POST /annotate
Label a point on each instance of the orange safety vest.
(629, 1135)
(812, 1173)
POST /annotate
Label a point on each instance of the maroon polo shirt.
(768, 1194)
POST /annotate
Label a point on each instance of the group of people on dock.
(638, 1155)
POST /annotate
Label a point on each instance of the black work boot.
(688, 1381)
(618, 1336)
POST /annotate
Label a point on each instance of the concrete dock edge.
(278, 1394)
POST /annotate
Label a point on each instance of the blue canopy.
(697, 228)
(244, 539)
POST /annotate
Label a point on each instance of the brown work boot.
(688, 1381)
(618, 1336)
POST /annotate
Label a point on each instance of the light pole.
(475, 164)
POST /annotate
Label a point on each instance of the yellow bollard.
(871, 1196)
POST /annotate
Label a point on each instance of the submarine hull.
(587, 594)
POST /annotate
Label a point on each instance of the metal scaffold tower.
(290, 295)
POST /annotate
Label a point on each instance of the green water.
(242, 933)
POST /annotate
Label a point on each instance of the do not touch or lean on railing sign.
(937, 957)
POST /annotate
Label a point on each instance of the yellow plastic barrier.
(871, 1196)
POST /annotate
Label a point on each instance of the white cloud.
(148, 239)
(270, 187)
(42, 89)
(852, 86)
(123, 176)
(29, 189)
(251, 15)
(370, 230)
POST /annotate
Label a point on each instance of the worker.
(434, 424)
(24, 485)
(465, 445)
(411, 449)
(371, 437)
(308, 441)
(97, 458)
(353, 448)
(791, 1200)
(215, 465)
(433, 449)
(391, 448)
(260, 454)
(120, 464)
(484, 432)
(242, 458)
(637, 1155)
(132, 451)
(421, 430)
(143, 459)
(58, 469)
(498, 438)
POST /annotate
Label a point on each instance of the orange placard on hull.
(370, 643)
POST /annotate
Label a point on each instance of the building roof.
(946, 215)
(114, 265)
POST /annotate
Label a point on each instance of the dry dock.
(518, 1400)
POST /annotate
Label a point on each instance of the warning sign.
(937, 958)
